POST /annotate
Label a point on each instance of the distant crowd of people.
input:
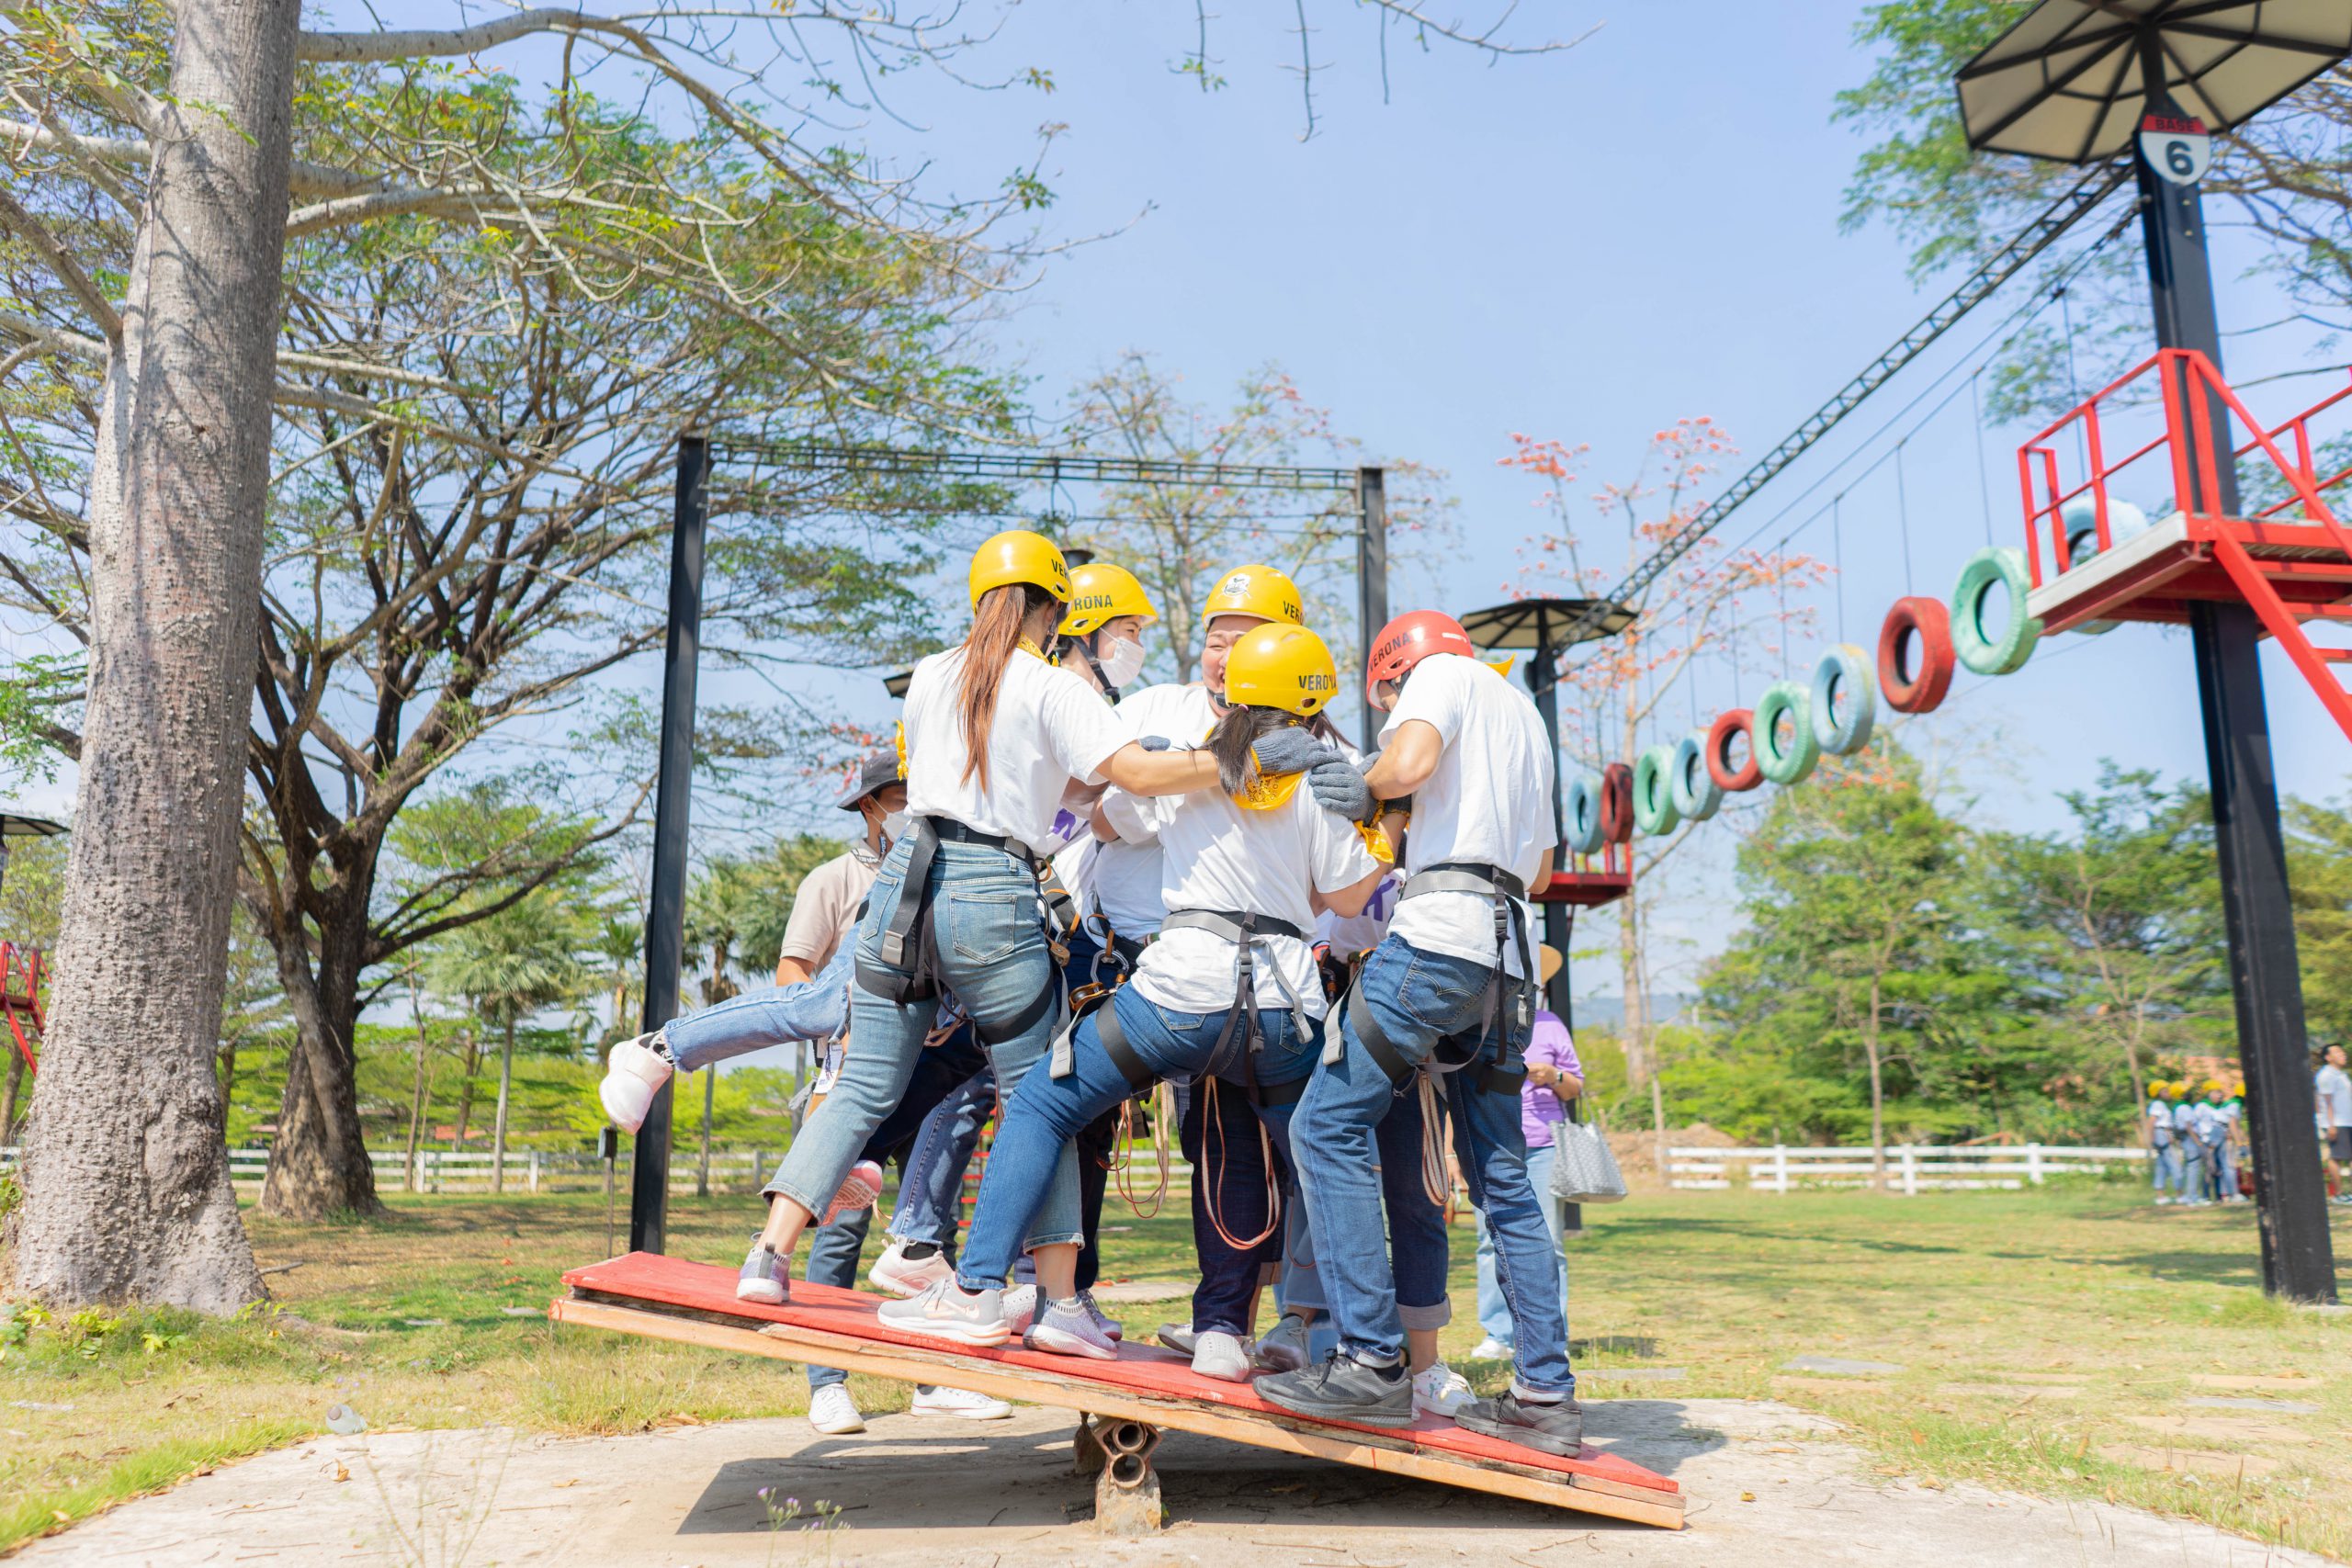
(2196, 1134)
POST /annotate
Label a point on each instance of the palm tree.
(514, 964)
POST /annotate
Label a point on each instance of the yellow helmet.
(1018, 556)
(1256, 590)
(1277, 666)
(1100, 592)
(2214, 1085)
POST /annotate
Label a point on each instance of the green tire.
(1696, 793)
(1584, 814)
(1979, 646)
(1654, 812)
(1789, 760)
(1844, 671)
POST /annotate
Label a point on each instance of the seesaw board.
(693, 1304)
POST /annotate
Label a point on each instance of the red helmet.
(1410, 638)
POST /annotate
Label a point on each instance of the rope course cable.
(1903, 511)
(2097, 184)
(1984, 485)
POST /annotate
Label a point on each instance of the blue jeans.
(1494, 1313)
(1419, 1249)
(1423, 999)
(773, 1015)
(1047, 1111)
(993, 958)
(2164, 1166)
(931, 1198)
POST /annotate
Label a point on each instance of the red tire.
(1922, 690)
(1617, 804)
(1739, 721)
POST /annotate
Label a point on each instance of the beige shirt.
(825, 910)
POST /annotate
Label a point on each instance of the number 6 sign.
(2178, 150)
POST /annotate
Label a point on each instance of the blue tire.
(1791, 759)
(1654, 812)
(1987, 650)
(1697, 795)
(1584, 815)
(1844, 671)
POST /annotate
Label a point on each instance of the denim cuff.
(776, 1189)
(1524, 1390)
(1074, 1238)
(973, 1283)
(1436, 1317)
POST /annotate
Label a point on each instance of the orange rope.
(1208, 1200)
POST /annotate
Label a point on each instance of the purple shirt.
(1539, 1107)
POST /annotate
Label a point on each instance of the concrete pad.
(1839, 1367)
(2277, 1407)
(918, 1493)
(2013, 1390)
(1144, 1291)
(2253, 1381)
(2226, 1428)
(1830, 1386)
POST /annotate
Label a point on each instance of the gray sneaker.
(1556, 1428)
(1283, 1347)
(1344, 1388)
(1020, 1308)
(1102, 1320)
(1065, 1328)
(763, 1278)
(1222, 1356)
(948, 1310)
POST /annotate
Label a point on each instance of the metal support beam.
(1372, 571)
(2297, 1260)
(1543, 684)
(665, 920)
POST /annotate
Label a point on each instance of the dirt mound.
(1636, 1151)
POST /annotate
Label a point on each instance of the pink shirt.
(1548, 1046)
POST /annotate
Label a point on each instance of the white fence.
(1910, 1168)
(527, 1170)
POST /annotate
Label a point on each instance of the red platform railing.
(22, 1004)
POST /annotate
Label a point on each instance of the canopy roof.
(1546, 623)
(2068, 82)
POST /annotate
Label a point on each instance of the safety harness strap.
(1508, 1072)
(1131, 1066)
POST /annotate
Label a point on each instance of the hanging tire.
(1844, 671)
(1617, 804)
(1654, 811)
(1977, 647)
(1792, 762)
(1920, 687)
(1583, 824)
(1697, 795)
(1720, 735)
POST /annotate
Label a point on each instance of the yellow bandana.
(1375, 843)
(1261, 793)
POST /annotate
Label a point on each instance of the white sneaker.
(763, 1279)
(859, 1189)
(1064, 1329)
(1222, 1356)
(632, 1074)
(1492, 1350)
(1178, 1337)
(1283, 1347)
(959, 1402)
(893, 1273)
(1438, 1390)
(949, 1312)
(832, 1412)
(1020, 1308)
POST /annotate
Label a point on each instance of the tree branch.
(54, 255)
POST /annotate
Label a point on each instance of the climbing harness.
(1507, 999)
(909, 946)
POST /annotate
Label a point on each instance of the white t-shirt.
(1489, 802)
(1224, 857)
(1050, 727)
(2333, 1087)
(2160, 1115)
(1122, 879)
(1351, 934)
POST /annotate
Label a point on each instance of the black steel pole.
(1371, 572)
(1544, 683)
(665, 918)
(2298, 1261)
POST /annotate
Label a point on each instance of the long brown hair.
(1237, 733)
(997, 629)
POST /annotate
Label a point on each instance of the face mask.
(895, 827)
(1122, 661)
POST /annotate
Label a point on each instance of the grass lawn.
(2048, 1341)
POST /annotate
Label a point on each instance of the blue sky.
(1587, 245)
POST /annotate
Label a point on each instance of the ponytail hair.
(998, 625)
(1232, 740)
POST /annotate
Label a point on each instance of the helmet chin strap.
(1085, 645)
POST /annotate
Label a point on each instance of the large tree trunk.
(126, 1175)
(505, 1088)
(466, 1091)
(318, 1163)
(418, 1098)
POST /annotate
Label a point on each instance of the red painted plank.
(1140, 1368)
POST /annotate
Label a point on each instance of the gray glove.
(1339, 787)
(1153, 742)
(1290, 750)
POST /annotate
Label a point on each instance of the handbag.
(1583, 1170)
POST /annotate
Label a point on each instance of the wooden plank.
(1594, 1494)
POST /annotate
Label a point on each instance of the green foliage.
(2319, 858)
(32, 892)
(738, 906)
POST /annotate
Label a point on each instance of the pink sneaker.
(861, 1189)
(893, 1273)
